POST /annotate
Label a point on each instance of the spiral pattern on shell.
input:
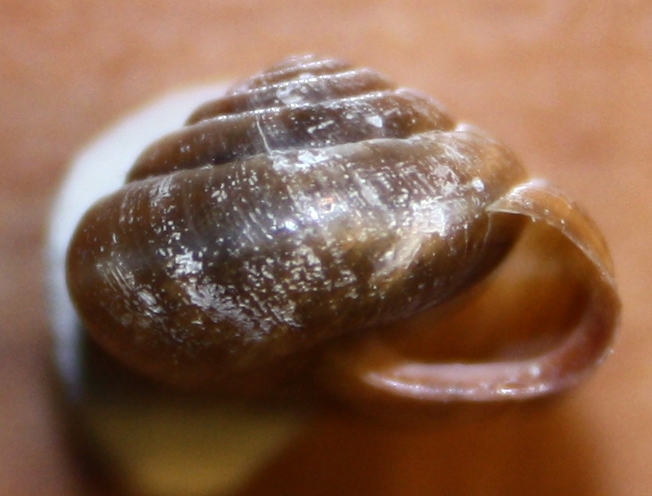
(311, 201)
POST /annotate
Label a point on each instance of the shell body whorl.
(312, 201)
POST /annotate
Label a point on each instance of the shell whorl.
(305, 103)
(311, 201)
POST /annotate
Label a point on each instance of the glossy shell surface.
(312, 201)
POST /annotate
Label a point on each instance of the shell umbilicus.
(312, 203)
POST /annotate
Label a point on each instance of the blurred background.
(566, 83)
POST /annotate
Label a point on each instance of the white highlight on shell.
(187, 263)
(478, 184)
(289, 95)
(163, 190)
(311, 157)
(375, 120)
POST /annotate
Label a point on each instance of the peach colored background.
(565, 83)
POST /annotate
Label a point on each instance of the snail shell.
(313, 201)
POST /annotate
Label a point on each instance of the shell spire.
(303, 103)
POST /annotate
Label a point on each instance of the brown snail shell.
(313, 201)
